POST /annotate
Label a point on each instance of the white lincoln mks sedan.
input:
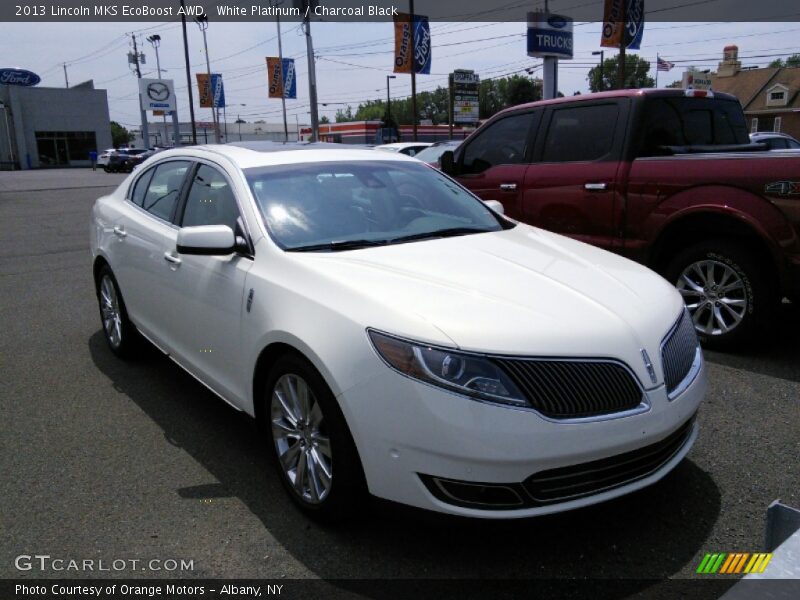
(394, 334)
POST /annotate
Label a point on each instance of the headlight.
(463, 373)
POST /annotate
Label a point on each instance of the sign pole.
(413, 72)
(283, 80)
(450, 107)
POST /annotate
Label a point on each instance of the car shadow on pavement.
(643, 537)
(775, 354)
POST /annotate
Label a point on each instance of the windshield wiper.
(337, 245)
(439, 233)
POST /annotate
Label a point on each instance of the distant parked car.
(103, 157)
(409, 148)
(775, 141)
(126, 159)
(432, 154)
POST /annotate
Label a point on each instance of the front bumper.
(404, 429)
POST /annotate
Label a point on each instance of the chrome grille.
(678, 351)
(563, 389)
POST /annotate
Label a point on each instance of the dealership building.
(52, 127)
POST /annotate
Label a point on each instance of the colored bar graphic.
(734, 563)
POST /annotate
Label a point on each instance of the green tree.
(324, 120)
(119, 135)
(344, 115)
(636, 69)
(792, 61)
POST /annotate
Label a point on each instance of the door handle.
(119, 231)
(172, 259)
(595, 187)
(508, 187)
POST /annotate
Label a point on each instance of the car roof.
(262, 154)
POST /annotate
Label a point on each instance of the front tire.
(121, 335)
(310, 442)
(727, 290)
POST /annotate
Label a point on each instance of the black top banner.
(380, 10)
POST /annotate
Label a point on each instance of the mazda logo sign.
(158, 91)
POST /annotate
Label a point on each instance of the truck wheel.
(727, 290)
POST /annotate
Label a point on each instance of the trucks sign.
(549, 35)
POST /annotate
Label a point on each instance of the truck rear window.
(691, 122)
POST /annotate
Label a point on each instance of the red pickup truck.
(668, 178)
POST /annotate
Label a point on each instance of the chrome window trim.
(643, 406)
(147, 170)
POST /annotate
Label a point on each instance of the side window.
(504, 142)
(140, 187)
(792, 144)
(164, 188)
(581, 133)
(210, 200)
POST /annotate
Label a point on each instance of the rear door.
(492, 164)
(145, 233)
(572, 185)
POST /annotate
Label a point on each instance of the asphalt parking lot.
(101, 458)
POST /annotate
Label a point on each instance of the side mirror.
(208, 240)
(447, 162)
(495, 206)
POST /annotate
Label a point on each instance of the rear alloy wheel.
(312, 447)
(121, 335)
(726, 290)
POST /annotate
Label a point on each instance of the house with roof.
(770, 96)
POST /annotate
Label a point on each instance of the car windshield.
(433, 153)
(327, 206)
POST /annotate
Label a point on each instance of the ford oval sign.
(18, 77)
(557, 21)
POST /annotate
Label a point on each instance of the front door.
(210, 291)
(492, 165)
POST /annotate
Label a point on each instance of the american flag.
(664, 65)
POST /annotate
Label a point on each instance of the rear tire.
(309, 441)
(120, 333)
(727, 289)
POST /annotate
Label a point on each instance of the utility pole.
(202, 23)
(188, 73)
(622, 41)
(145, 130)
(312, 73)
(413, 72)
(66, 79)
(283, 81)
(602, 85)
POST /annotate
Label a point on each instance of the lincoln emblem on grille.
(649, 365)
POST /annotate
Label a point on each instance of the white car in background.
(103, 157)
(408, 148)
(395, 335)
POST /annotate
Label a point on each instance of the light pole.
(388, 97)
(202, 23)
(602, 55)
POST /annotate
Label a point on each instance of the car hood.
(522, 291)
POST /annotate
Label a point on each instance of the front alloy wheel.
(301, 440)
(310, 441)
